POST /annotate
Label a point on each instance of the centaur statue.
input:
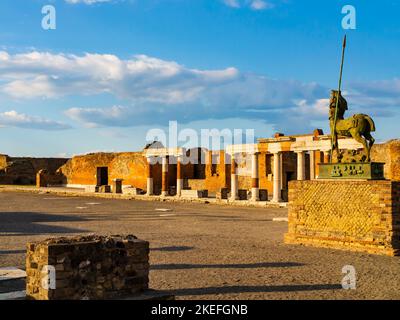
(359, 126)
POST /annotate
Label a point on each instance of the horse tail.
(371, 123)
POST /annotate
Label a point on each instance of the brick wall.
(352, 215)
(389, 153)
(23, 170)
(91, 267)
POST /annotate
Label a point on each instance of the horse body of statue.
(359, 126)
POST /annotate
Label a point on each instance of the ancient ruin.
(87, 267)
(351, 206)
(265, 167)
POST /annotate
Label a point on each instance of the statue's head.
(332, 100)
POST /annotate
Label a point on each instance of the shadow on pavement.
(29, 223)
(253, 289)
(173, 266)
(172, 248)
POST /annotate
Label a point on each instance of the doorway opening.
(102, 176)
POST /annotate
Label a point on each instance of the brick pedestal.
(350, 215)
(91, 267)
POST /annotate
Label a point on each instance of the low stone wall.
(351, 215)
(91, 267)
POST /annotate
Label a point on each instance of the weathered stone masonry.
(91, 267)
(351, 215)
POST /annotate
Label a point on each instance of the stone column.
(255, 179)
(312, 165)
(276, 197)
(164, 183)
(149, 178)
(179, 180)
(281, 171)
(301, 166)
(327, 156)
(234, 179)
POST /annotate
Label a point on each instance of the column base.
(255, 195)
(179, 187)
(164, 194)
(149, 187)
(276, 201)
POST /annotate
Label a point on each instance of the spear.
(337, 98)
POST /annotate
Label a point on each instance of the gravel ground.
(201, 251)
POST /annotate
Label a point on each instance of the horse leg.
(357, 136)
(371, 142)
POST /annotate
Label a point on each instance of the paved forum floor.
(201, 251)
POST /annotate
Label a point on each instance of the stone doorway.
(102, 176)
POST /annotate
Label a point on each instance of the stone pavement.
(201, 251)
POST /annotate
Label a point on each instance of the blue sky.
(112, 70)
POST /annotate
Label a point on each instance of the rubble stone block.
(88, 267)
(222, 194)
(132, 191)
(104, 189)
(263, 194)
(242, 194)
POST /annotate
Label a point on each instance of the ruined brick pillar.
(149, 177)
(319, 158)
(255, 188)
(41, 179)
(234, 179)
(117, 186)
(164, 183)
(179, 180)
(301, 165)
(327, 156)
(312, 165)
(277, 197)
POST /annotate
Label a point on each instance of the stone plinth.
(91, 267)
(194, 194)
(263, 194)
(350, 215)
(117, 186)
(223, 193)
(242, 194)
(104, 189)
(356, 170)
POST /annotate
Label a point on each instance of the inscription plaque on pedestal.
(354, 170)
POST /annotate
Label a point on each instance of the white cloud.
(20, 120)
(154, 91)
(89, 2)
(253, 4)
(232, 3)
(140, 79)
(260, 5)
